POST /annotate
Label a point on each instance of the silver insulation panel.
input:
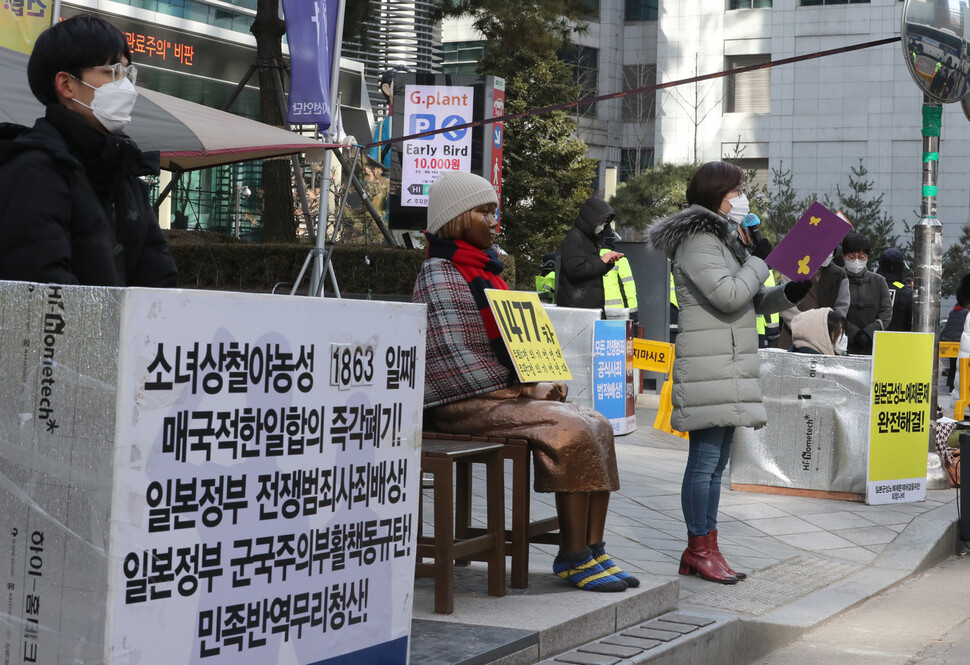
(817, 436)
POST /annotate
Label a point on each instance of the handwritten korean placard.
(528, 335)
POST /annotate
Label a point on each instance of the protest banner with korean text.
(213, 477)
(613, 374)
(653, 356)
(899, 426)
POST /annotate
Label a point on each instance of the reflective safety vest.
(769, 320)
(673, 292)
(546, 283)
(618, 287)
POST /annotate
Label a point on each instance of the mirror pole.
(928, 243)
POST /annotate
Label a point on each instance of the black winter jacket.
(902, 299)
(579, 282)
(954, 325)
(73, 209)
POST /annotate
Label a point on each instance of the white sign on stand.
(210, 478)
(269, 480)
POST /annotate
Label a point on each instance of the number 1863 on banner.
(528, 335)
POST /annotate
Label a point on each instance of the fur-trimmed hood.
(667, 234)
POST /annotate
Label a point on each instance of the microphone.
(753, 226)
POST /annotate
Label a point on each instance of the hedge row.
(217, 261)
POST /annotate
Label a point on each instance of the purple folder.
(800, 253)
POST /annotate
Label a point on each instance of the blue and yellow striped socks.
(603, 559)
(582, 571)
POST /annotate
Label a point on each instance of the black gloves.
(863, 340)
(795, 291)
(762, 249)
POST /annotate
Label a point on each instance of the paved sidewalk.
(807, 559)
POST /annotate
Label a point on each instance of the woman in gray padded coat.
(720, 289)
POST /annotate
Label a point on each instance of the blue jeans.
(709, 452)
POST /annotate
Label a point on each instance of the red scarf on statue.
(481, 269)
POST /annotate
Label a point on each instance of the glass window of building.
(634, 161)
(748, 4)
(193, 10)
(461, 57)
(585, 64)
(641, 106)
(809, 3)
(640, 10)
(756, 172)
(748, 92)
(590, 9)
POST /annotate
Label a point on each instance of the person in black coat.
(955, 322)
(892, 263)
(73, 209)
(579, 282)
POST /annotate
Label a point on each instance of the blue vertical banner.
(311, 31)
(613, 374)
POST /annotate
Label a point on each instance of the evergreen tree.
(546, 174)
(655, 193)
(956, 262)
(864, 210)
(781, 205)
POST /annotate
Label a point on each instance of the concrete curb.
(738, 639)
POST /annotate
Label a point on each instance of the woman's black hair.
(711, 182)
(855, 242)
(72, 46)
(836, 323)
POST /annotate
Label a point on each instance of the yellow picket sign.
(653, 356)
(21, 23)
(528, 335)
(949, 349)
(658, 357)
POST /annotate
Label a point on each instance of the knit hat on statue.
(455, 192)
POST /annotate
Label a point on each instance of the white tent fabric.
(188, 135)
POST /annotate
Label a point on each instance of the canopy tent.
(188, 135)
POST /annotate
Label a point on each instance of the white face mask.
(739, 208)
(855, 266)
(827, 261)
(599, 228)
(112, 104)
(842, 345)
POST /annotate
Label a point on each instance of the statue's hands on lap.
(550, 391)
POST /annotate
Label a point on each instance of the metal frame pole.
(928, 249)
(316, 275)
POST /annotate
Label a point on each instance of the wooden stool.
(524, 531)
(439, 457)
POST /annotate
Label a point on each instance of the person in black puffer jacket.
(579, 282)
(892, 264)
(955, 323)
(73, 207)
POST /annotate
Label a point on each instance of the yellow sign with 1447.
(528, 335)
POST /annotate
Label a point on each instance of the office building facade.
(816, 118)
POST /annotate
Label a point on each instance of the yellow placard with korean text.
(653, 356)
(899, 427)
(22, 22)
(949, 349)
(528, 335)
